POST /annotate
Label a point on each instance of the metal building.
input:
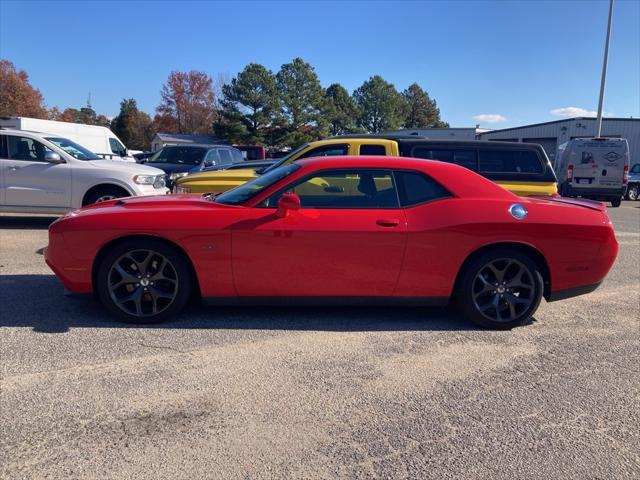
(161, 139)
(552, 134)
(442, 133)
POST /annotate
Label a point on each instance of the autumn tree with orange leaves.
(187, 104)
(17, 96)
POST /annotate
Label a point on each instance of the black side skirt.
(330, 301)
(572, 292)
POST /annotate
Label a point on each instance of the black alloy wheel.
(501, 289)
(144, 281)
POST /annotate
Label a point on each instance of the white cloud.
(573, 112)
(489, 118)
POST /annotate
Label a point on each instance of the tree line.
(256, 107)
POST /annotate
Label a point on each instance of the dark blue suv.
(181, 160)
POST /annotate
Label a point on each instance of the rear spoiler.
(580, 202)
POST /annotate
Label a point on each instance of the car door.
(225, 157)
(347, 240)
(31, 181)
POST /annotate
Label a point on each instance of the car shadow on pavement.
(38, 302)
(26, 222)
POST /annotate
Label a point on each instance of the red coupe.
(369, 230)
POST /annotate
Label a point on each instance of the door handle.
(386, 222)
(13, 168)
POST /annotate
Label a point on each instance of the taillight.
(569, 173)
(625, 175)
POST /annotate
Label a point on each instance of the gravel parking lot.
(315, 392)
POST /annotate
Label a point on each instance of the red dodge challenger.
(371, 230)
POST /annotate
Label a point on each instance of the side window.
(345, 189)
(27, 149)
(116, 147)
(326, 151)
(211, 158)
(510, 161)
(464, 158)
(372, 150)
(416, 187)
(636, 168)
(225, 156)
(236, 155)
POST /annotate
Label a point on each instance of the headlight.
(180, 189)
(175, 176)
(156, 180)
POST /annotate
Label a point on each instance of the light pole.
(604, 73)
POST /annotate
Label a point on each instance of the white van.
(596, 168)
(99, 140)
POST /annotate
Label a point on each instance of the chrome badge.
(518, 211)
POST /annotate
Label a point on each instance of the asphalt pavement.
(315, 392)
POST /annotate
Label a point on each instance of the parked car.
(100, 140)
(343, 230)
(180, 160)
(633, 187)
(43, 173)
(522, 168)
(596, 168)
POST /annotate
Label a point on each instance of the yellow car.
(218, 181)
(522, 168)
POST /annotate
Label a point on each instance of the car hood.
(220, 175)
(153, 203)
(173, 167)
(133, 168)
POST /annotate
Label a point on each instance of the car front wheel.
(144, 281)
(500, 289)
(632, 192)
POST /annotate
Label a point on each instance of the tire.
(615, 202)
(505, 307)
(632, 192)
(144, 281)
(103, 194)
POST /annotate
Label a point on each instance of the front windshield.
(179, 155)
(284, 160)
(73, 149)
(250, 189)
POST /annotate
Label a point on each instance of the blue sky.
(521, 60)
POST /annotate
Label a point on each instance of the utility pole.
(604, 73)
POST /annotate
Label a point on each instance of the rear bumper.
(595, 193)
(572, 292)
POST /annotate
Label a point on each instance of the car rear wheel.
(500, 289)
(144, 281)
(615, 202)
(632, 192)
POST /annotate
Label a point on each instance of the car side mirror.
(52, 157)
(209, 163)
(288, 201)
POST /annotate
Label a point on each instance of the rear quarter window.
(416, 187)
(372, 150)
(509, 161)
